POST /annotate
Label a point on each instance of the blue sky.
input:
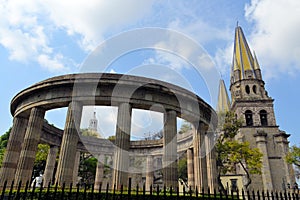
(42, 39)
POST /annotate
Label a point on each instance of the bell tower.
(250, 101)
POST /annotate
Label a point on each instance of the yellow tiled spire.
(223, 99)
(242, 56)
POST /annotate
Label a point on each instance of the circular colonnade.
(126, 92)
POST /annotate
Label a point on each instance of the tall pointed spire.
(243, 64)
(223, 99)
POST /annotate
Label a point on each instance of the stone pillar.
(261, 142)
(190, 168)
(68, 147)
(50, 165)
(211, 160)
(121, 154)
(76, 168)
(170, 173)
(149, 172)
(99, 173)
(13, 149)
(283, 143)
(29, 147)
(200, 167)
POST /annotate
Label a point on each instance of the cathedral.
(250, 101)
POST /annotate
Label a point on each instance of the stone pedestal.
(13, 149)
(261, 142)
(29, 147)
(190, 168)
(68, 148)
(99, 173)
(50, 165)
(149, 172)
(170, 173)
(121, 154)
(200, 163)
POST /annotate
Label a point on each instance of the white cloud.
(27, 28)
(275, 37)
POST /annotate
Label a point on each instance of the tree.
(87, 168)
(40, 160)
(3, 144)
(185, 127)
(231, 152)
(182, 168)
(293, 157)
(87, 132)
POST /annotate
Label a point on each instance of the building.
(251, 102)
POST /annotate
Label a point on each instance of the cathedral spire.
(243, 64)
(223, 99)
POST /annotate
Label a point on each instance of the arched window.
(263, 118)
(248, 116)
(254, 89)
(247, 88)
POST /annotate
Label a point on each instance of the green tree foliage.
(293, 156)
(87, 168)
(3, 144)
(87, 132)
(40, 160)
(182, 168)
(231, 152)
(185, 127)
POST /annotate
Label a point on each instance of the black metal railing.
(88, 192)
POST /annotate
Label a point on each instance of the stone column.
(13, 149)
(121, 154)
(261, 142)
(170, 173)
(68, 147)
(200, 167)
(190, 168)
(50, 165)
(76, 168)
(99, 172)
(149, 172)
(211, 160)
(29, 147)
(283, 143)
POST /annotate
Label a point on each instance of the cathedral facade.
(251, 102)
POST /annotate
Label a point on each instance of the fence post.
(55, 190)
(63, 190)
(3, 190)
(121, 191)
(18, 190)
(157, 190)
(32, 191)
(106, 194)
(92, 192)
(129, 188)
(70, 191)
(171, 191)
(41, 190)
(26, 188)
(196, 191)
(11, 189)
(165, 194)
(77, 190)
(151, 190)
(137, 189)
(114, 191)
(144, 189)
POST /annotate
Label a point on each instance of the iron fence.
(88, 192)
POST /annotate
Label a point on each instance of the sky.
(42, 39)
